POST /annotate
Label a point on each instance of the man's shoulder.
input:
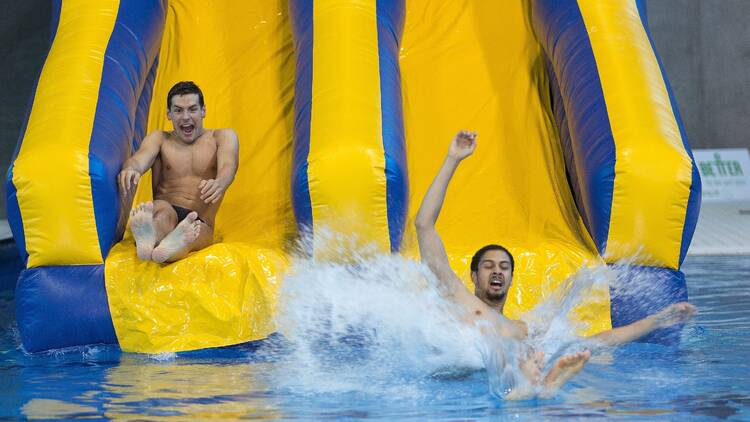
(225, 137)
(223, 133)
(158, 135)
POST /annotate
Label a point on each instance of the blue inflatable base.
(642, 291)
(60, 307)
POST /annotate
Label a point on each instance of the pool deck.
(723, 229)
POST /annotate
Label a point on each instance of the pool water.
(343, 376)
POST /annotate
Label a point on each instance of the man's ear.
(474, 278)
(203, 112)
(169, 114)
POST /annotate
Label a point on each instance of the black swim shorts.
(183, 212)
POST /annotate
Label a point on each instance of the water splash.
(375, 323)
(378, 324)
(553, 329)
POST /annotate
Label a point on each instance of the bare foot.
(531, 367)
(178, 239)
(565, 368)
(142, 226)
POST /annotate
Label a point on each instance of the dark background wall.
(705, 47)
(24, 36)
(24, 39)
(704, 44)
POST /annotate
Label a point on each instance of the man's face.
(187, 116)
(493, 277)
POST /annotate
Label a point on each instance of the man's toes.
(196, 230)
(192, 216)
(158, 255)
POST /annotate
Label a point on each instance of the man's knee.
(164, 213)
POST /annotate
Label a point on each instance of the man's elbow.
(422, 224)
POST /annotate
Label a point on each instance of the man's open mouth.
(497, 282)
(187, 129)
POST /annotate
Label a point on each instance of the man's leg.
(182, 240)
(142, 227)
(165, 219)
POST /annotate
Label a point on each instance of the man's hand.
(212, 190)
(128, 180)
(676, 313)
(462, 145)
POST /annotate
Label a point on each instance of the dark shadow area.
(24, 29)
(10, 265)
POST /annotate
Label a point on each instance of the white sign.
(725, 174)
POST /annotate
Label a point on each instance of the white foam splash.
(364, 325)
(163, 357)
(377, 324)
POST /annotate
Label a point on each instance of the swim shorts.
(183, 212)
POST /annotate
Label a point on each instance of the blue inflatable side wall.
(390, 27)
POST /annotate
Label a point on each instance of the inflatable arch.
(344, 109)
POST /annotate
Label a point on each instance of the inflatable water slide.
(344, 111)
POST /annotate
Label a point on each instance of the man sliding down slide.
(191, 169)
(492, 273)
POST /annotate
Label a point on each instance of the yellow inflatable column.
(652, 165)
(347, 183)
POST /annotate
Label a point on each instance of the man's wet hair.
(184, 88)
(477, 258)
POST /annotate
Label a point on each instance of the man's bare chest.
(194, 160)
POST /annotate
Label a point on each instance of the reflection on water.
(702, 379)
(53, 409)
(232, 390)
(140, 387)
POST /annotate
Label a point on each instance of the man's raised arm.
(430, 245)
(134, 167)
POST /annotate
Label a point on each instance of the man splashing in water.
(492, 274)
(191, 169)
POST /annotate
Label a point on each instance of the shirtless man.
(492, 273)
(191, 168)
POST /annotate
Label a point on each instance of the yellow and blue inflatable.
(344, 109)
